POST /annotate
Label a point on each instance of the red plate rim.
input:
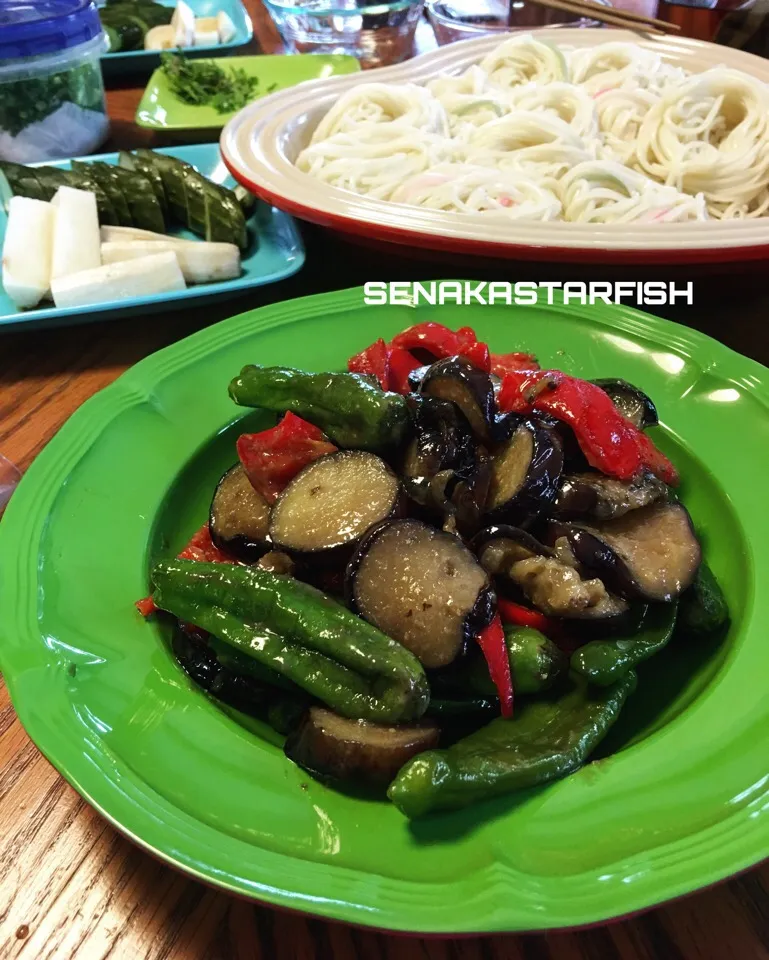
(407, 237)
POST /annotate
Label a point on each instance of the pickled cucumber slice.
(146, 212)
(196, 201)
(225, 218)
(41, 183)
(212, 211)
(172, 182)
(100, 173)
(131, 162)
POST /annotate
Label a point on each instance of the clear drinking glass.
(376, 33)
(9, 479)
(454, 20)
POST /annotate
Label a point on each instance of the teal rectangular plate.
(144, 61)
(276, 252)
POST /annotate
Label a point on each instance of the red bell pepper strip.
(491, 640)
(203, 549)
(400, 365)
(502, 363)
(609, 441)
(434, 338)
(200, 548)
(520, 616)
(439, 342)
(145, 606)
(478, 355)
(373, 361)
(273, 457)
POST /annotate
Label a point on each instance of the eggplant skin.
(631, 402)
(651, 554)
(605, 498)
(334, 749)
(239, 517)
(500, 545)
(457, 380)
(537, 489)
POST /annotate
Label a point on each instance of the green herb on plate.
(204, 83)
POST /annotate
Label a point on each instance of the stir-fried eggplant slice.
(457, 380)
(524, 474)
(498, 547)
(443, 469)
(631, 402)
(559, 590)
(465, 496)
(422, 587)
(333, 502)
(334, 748)
(416, 377)
(549, 579)
(239, 519)
(605, 498)
(649, 554)
(442, 441)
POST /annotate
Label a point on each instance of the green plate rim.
(736, 842)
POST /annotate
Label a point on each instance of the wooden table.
(72, 887)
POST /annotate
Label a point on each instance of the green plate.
(160, 109)
(684, 800)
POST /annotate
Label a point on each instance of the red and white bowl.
(260, 145)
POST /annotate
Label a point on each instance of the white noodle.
(608, 134)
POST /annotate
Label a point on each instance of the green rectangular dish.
(160, 109)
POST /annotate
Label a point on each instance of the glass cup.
(464, 19)
(9, 480)
(378, 34)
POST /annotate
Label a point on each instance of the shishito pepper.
(609, 441)
(353, 412)
(604, 661)
(200, 548)
(299, 633)
(535, 663)
(546, 740)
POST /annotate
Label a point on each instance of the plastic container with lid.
(51, 87)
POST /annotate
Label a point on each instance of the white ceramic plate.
(260, 144)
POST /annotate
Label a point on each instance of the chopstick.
(612, 15)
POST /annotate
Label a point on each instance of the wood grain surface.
(72, 887)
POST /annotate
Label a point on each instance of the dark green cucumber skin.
(351, 411)
(143, 190)
(100, 172)
(300, 633)
(205, 208)
(130, 161)
(41, 183)
(703, 609)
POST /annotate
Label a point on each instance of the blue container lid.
(29, 28)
